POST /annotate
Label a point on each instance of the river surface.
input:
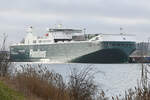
(114, 79)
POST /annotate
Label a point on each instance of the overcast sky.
(97, 16)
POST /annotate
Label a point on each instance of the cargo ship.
(64, 45)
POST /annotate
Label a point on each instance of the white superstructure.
(61, 35)
(52, 36)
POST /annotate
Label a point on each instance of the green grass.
(9, 94)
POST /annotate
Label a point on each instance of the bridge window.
(34, 41)
(118, 44)
(40, 41)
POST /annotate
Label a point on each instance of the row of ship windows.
(113, 44)
(41, 41)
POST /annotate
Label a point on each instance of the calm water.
(114, 79)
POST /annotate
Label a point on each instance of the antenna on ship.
(84, 30)
(30, 29)
(148, 43)
(121, 30)
(4, 41)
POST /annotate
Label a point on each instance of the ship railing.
(118, 34)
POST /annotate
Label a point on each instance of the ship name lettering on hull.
(37, 54)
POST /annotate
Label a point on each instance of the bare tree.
(82, 85)
(4, 57)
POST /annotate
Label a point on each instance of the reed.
(39, 83)
(81, 85)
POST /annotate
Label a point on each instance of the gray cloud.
(115, 8)
(98, 16)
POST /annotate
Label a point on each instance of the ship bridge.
(64, 34)
(66, 30)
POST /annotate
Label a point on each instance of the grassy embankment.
(40, 84)
(7, 93)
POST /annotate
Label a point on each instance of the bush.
(81, 84)
(4, 58)
(41, 83)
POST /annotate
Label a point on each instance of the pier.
(141, 54)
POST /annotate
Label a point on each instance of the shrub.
(81, 84)
(4, 58)
(39, 82)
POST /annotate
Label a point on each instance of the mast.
(4, 41)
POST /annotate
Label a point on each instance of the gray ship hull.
(78, 52)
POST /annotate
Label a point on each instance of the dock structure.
(141, 54)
